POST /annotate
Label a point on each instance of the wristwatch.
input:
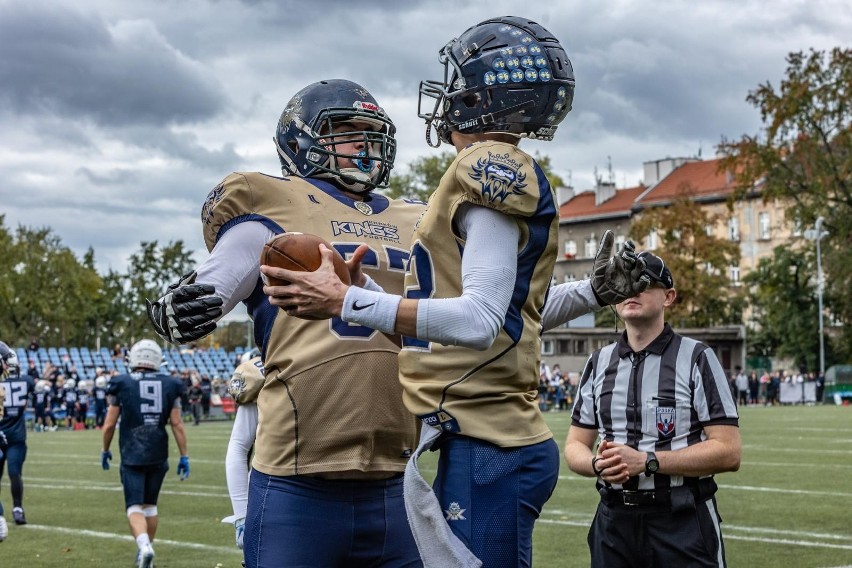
(652, 464)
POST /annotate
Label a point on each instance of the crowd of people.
(764, 388)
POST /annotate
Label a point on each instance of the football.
(299, 251)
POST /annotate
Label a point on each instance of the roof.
(701, 180)
(582, 206)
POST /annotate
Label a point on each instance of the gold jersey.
(246, 381)
(493, 394)
(331, 404)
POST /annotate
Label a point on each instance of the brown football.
(299, 251)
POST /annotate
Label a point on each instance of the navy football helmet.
(309, 133)
(9, 366)
(505, 75)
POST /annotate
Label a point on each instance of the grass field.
(788, 506)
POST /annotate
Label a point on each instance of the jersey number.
(151, 394)
(395, 259)
(421, 268)
(16, 394)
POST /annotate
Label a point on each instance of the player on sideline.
(144, 401)
(476, 285)
(13, 431)
(333, 437)
(244, 387)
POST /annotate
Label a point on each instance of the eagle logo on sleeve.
(214, 197)
(500, 176)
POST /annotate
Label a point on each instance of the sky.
(117, 118)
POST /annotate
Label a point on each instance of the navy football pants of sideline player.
(299, 521)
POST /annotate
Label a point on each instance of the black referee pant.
(683, 533)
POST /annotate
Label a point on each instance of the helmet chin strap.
(354, 180)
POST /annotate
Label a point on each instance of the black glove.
(182, 315)
(620, 277)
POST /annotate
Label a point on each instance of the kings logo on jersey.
(500, 176)
(214, 197)
(665, 421)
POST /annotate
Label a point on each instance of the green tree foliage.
(424, 174)
(803, 157)
(44, 290)
(699, 262)
(784, 308)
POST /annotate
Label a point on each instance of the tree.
(424, 174)
(45, 291)
(803, 158)
(784, 308)
(698, 262)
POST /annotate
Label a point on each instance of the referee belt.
(702, 489)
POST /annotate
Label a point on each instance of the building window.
(735, 275)
(734, 229)
(564, 347)
(708, 230)
(547, 347)
(764, 227)
(581, 346)
(570, 249)
(619, 242)
(587, 276)
(652, 240)
(569, 277)
(591, 246)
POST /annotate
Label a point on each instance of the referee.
(661, 405)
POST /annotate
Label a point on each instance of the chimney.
(564, 194)
(604, 190)
(656, 170)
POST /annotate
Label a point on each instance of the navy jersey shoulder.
(18, 391)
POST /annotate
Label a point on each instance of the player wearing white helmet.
(144, 400)
(16, 390)
(82, 408)
(70, 392)
(41, 406)
(99, 395)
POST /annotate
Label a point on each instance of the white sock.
(142, 541)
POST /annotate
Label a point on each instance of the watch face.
(653, 465)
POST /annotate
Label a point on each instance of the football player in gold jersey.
(476, 288)
(333, 436)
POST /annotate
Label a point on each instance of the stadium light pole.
(817, 234)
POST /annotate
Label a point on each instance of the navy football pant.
(624, 536)
(142, 483)
(13, 461)
(302, 522)
(492, 496)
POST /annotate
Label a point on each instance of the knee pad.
(135, 509)
(150, 511)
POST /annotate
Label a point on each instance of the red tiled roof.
(699, 179)
(583, 204)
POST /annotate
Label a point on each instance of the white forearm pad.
(568, 301)
(372, 309)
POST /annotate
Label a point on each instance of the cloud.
(64, 62)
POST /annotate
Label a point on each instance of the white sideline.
(113, 536)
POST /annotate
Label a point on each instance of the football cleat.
(18, 515)
(4, 529)
(145, 557)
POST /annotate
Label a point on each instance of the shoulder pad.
(499, 176)
(246, 382)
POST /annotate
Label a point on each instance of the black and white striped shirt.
(657, 399)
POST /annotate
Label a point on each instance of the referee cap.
(656, 269)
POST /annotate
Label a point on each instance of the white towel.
(438, 546)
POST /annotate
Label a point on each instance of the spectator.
(753, 388)
(206, 392)
(118, 352)
(32, 370)
(820, 387)
(741, 382)
(33, 346)
(765, 379)
(194, 395)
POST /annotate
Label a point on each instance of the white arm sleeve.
(489, 268)
(233, 266)
(236, 458)
(568, 301)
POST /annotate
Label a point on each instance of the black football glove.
(620, 277)
(186, 312)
